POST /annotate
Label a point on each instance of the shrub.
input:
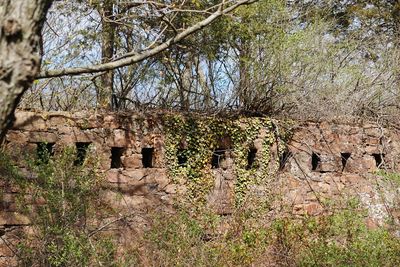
(62, 201)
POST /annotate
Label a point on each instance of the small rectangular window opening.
(379, 159)
(81, 151)
(284, 158)
(345, 157)
(217, 157)
(182, 157)
(315, 161)
(44, 151)
(147, 157)
(251, 158)
(116, 154)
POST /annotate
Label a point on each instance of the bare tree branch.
(137, 57)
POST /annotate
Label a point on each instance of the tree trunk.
(396, 21)
(106, 92)
(21, 22)
(244, 76)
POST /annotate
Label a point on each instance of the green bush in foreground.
(338, 239)
(61, 198)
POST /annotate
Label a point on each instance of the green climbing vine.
(190, 142)
(243, 139)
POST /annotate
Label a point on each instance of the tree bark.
(21, 22)
(244, 75)
(106, 90)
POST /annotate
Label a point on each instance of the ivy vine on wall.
(191, 141)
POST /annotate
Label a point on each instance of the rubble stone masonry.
(322, 161)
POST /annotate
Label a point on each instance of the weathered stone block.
(116, 176)
(373, 131)
(111, 122)
(126, 202)
(138, 174)
(58, 120)
(352, 178)
(118, 138)
(329, 163)
(221, 198)
(26, 120)
(8, 202)
(171, 189)
(71, 135)
(371, 148)
(158, 176)
(313, 208)
(17, 136)
(36, 137)
(13, 219)
(132, 162)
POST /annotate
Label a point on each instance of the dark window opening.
(251, 158)
(379, 159)
(116, 154)
(44, 151)
(217, 157)
(315, 161)
(284, 158)
(345, 157)
(182, 157)
(147, 157)
(81, 151)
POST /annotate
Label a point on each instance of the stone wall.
(328, 161)
(321, 161)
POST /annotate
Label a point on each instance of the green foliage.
(62, 201)
(243, 140)
(200, 138)
(196, 138)
(185, 239)
(390, 176)
(8, 171)
(337, 239)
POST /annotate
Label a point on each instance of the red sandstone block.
(13, 218)
(17, 136)
(126, 202)
(57, 120)
(36, 137)
(313, 208)
(135, 175)
(374, 131)
(29, 121)
(329, 163)
(158, 176)
(132, 162)
(352, 178)
(5, 250)
(71, 135)
(115, 176)
(373, 148)
(118, 138)
(111, 122)
(8, 202)
(171, 189)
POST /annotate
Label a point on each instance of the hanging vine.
(190, 142)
